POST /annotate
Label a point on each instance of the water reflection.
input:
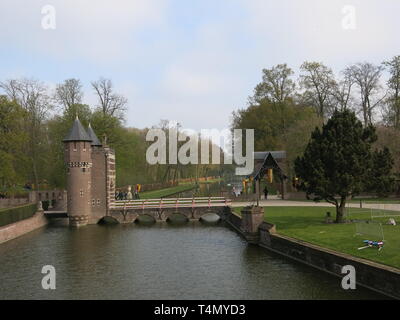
(161, 261)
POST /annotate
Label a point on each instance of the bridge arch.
(210, 217)
(177, 217)
(145, 218)
(108, 220)
(167, 213)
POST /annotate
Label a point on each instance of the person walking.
(265, 193)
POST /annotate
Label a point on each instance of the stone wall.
(17, 229)
(9, 203)
(296, 195)
(375, 276)
(110, 177)
(380, 278)
(98, 191)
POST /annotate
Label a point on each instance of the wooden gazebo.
(263, 161)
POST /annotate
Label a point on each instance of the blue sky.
(190, 61)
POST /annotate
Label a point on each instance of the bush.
(12, 215)
(46, 203)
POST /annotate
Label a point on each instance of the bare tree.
(276, 85)
(367, 76)
(68, 93)
(341, 94)
(32, 95)
(10, 88)
(392, 102)
(318, 82)
(110, 103)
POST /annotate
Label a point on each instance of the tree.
(271, 122)
(32, 96)
(11, 137)
(381, 181)
(389, 137)
(68, 93)
(341, 93)
(276, 85)
(337, 161)
(366, 76)
(318, 82)
(393, 100)
(110, 103)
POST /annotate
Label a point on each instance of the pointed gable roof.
(95, 141)
(77, 132)
(269, 162)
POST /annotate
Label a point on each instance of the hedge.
(12, 215)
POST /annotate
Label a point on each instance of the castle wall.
(111, 176)
(79, 163)
(98, 195)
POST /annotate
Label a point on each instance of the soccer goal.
(371, 230)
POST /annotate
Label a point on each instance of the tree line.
(284, 108)
(34, 120)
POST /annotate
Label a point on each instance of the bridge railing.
(172, 203)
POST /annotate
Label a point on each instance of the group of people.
(127, 195)
(237, 192)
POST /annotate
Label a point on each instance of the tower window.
(83, 169)
(74, 145)
(81, 193)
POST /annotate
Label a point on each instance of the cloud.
(98, 31)
(312, 30)
(194, 62)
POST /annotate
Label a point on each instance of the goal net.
(373, 234)
(370, 229)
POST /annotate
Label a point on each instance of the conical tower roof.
(77, 132)
(92, 135)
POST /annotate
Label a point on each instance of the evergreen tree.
(338, 161)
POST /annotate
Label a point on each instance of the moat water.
(160, 261)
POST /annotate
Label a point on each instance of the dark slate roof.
(95, 141)
(77, 133)
(276, 154)
(269, 162)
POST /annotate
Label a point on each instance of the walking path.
(274, 202)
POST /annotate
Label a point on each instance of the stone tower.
(100, 187)
(78, 159)
(90, 176)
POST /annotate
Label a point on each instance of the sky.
(189, 61)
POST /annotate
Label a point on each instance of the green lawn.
(157, 194)
(210, 181)
(363, 200)
(307, 223)
(375, 200)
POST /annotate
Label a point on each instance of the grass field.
(363, 200)
(375, 200)
(307, 223)
(157, 194)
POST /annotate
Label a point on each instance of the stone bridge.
(162, 209)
